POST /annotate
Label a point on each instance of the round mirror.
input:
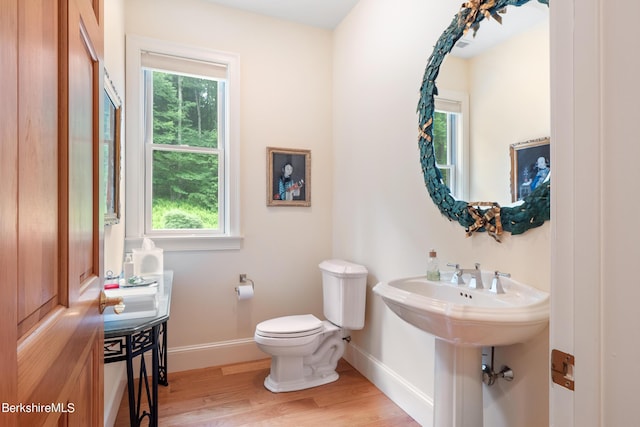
(481, 136)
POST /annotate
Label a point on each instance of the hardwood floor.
(234, 395)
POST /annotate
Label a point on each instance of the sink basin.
(465, 316)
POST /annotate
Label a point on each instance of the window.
(182, 146)
(184, 160)
(449, 142)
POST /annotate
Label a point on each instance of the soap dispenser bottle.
(433, 272)
(128, 267)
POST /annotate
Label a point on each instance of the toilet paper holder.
(244, 279)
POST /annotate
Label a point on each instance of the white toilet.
(304, 349)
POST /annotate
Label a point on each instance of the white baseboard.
(115, 384)
(213, 354)
(413, 401)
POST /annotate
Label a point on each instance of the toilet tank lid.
(343, 268)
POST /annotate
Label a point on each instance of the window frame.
(461, 161)
(138, 154)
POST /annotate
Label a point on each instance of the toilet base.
(298, 372)
(309, 382)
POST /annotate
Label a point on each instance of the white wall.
(114, 64)
(286, 102)
(114, 373)
(620, 151)
(384, 218)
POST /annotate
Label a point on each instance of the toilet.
(304, 349)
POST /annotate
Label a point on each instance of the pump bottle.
(433, 272)
(128, 267)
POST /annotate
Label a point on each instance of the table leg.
(162, 354)
(133, 416)
(143, 342)
(154, 381)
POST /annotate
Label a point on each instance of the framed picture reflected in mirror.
(530, 166)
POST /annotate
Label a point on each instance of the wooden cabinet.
(50, 215)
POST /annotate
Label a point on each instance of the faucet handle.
(456, 279)
(496, 286)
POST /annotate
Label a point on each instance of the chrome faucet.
(476, 276)
(496, 286)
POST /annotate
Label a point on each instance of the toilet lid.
(290, 326)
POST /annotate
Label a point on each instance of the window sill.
(188, 243)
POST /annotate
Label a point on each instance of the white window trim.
(231, 238)
(462, 150)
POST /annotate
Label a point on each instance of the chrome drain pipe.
(489, 376)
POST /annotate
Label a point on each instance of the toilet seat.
(290, 326)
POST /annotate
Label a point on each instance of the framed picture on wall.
(530, 166)
(288, 177)
(112, 146)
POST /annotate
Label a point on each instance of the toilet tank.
(344, 289)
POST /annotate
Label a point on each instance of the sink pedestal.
(458, 386)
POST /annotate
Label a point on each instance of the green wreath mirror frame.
(474, 216)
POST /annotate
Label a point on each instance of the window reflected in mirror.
(450, 131)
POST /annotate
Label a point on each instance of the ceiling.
(317, 13)
(329, 13)
(515, 20)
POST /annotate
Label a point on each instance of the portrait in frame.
(112, 146)
(530, 166)
(288, 177)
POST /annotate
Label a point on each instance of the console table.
(128, 338)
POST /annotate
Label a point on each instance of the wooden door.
(51, 359)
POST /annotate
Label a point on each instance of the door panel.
(38, 150)
(50, 223)
(83, 69)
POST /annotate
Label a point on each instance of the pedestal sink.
(464, 320)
